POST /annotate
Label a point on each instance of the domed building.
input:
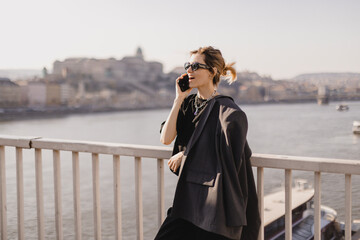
(130, 68)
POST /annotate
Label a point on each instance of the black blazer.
(216, 189)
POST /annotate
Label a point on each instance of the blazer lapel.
(197, 132)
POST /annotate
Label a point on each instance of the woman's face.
(201, 77)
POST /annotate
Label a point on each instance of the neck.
(205, 93)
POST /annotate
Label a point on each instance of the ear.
(215, 70)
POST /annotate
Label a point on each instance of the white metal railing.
(310, 164)
(261, 161)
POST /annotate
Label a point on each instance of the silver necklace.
(200, 105)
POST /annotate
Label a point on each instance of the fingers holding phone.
(182, 85)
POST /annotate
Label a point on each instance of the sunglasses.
(195, 66)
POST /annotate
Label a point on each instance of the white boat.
(302, 215)
(342, 107)
(355, 229)
(356, 127)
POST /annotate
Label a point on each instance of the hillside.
(347, 78)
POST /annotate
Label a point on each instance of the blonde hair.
(214, 59)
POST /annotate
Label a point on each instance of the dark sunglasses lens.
(195, 66)
(186, 65)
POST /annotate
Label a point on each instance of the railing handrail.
(146, 151)
(313, 164)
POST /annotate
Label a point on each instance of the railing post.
(317, 210)
(288, 204)
(76, 192)
(139, 204)
(117, 197)
(96, 196)
(3, 207)
(348, 204)
(39, 194)
(57, 194)
(161, 194)
(260, 195)
(20, 192)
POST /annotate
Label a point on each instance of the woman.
(215, 197)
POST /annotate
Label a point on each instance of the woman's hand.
(175, 161)
(168, 132)
(179, 94)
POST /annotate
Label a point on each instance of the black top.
(186, 122)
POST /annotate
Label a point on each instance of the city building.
(10, 93)
(37, 96)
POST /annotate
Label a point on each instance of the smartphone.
(184, 83)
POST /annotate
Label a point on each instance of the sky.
(280, 38)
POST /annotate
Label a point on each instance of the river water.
(287, 129)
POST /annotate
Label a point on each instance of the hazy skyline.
(277, 38)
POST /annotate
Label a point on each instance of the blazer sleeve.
(232, 141)
(238, 151)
